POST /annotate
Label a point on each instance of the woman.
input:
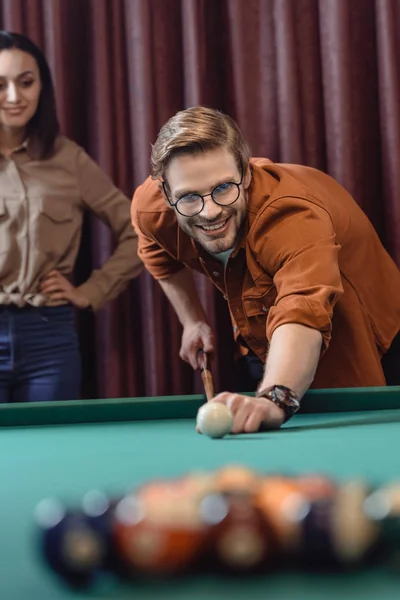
(46, 183)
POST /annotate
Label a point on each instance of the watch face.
(291, 401)
(285, 396)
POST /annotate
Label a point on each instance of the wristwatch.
(283, 397)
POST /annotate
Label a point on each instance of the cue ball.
(214, 420)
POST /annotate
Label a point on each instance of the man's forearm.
(292, 358)
(180, 290)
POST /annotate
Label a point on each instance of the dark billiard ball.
(240, 539)
(382, 505)
(73, 543)
(158, 532)
(98, 510)
(308, 511)
(335, 531)
(315, 519)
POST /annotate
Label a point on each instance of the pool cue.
(206, 376)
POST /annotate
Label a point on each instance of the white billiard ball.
(214, 419)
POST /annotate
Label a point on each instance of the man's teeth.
(213, 227)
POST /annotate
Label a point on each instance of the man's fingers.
(208, 345)
(254, 420)
(190, 357)
(250, 413)
(185, 357)
(195, 337)
(232, 401)
(197, 358)
(242, 414)
(193, 361)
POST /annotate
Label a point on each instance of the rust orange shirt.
(308, 255)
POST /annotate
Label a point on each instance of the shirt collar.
(21, 148)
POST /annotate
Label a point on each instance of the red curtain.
(315, 82)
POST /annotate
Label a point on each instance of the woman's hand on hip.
(58, 288)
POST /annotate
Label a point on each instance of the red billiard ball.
(158, 531)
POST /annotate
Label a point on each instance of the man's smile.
(213, 228)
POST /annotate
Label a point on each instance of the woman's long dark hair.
(43, 128)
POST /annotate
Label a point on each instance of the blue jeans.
(39, 354)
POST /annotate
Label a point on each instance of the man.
(313, 296)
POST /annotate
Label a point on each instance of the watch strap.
(283, 397)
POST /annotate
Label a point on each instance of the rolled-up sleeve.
(158, 258)
(296, 244)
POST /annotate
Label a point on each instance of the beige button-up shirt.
(42, 204)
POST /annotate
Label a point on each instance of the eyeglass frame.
(202, 196)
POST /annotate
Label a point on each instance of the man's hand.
(57, 287)
(249, 414)
(196, 336)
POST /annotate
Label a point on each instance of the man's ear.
(247, 178)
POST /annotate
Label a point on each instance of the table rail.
(181, 407)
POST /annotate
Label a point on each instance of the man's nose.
(211, 210)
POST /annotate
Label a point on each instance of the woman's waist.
(28, 300)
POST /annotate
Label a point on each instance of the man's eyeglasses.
(191, 205)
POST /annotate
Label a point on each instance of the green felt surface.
(66, 460)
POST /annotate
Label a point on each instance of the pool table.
(65, 449)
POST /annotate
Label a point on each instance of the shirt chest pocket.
(256, 309)
(57, 223)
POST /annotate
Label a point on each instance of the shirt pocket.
(57, 225)
(256, 308)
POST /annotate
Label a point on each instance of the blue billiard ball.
(75, 544)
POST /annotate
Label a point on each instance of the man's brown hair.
(198, 129)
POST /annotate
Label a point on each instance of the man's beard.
(217, 246)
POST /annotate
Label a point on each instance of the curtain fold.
(315, 82)
(388, 65)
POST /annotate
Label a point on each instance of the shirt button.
(215, 273)
(265, 309)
